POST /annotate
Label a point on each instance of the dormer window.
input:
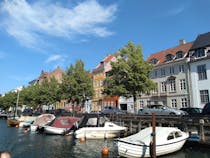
(199, 53)
(169, 57)
(179, 54)
(154, 61)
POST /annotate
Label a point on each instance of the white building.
(199, 66)
(171, 76)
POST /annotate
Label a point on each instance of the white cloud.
(176, 11)
(28, 22)
(54, 58)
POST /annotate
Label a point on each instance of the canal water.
(32, 145)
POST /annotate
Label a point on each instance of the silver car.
(160, 110)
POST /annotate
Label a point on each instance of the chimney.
(182, 41)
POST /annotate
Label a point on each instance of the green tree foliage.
(129, 76)
(8, 100)
(76, 84)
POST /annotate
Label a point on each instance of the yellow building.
(99, 75)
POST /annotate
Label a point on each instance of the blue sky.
(38, 35)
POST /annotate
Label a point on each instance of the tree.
(76, 84)
(129, 76)
(8, 100)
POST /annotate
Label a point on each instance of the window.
(181, 68)
(178, 134)
(204, 95)
(163, 87)
(169, 57)
(154, 61)
(173, 103)
(172, 85)
(170, 136)
(155, 73)
(171, 70)
(199, 53)
(201, 69)
(179, 54)
(184, 102)
(182, 84)
(141, 103)
(163, 72)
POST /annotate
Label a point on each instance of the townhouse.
(100, 72)
(199, 67)
(170, 73)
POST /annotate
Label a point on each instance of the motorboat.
(40, 121)
(98, 127)
(168, 140)
(62, 125)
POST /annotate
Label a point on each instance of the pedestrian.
(5, 154)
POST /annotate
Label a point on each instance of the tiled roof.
(107, 59)
(202, 40)
(161, 56)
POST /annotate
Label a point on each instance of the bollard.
(202, 135)
(139, 126)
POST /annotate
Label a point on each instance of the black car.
(192, 110)
(206, 109)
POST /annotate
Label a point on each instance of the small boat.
(40, 121)
(61, 125)
(26, 121)
(168, 140)
(13, 122)
(98, 127)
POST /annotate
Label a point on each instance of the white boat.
(168, 140)
(41, 121)
(61, 125)
(26, 121)
(97, 127)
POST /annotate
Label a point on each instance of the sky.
(38, 35)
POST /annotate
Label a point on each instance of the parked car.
(112, 110)
(192, 110)
(206, 109)
(160, 110)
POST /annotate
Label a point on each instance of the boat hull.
(138, 151)
(168, 140)
(55, 130)
(12, 122)
(97, 134)
(110, 130)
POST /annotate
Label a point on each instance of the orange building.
(99, 75)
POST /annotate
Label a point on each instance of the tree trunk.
(135, 104)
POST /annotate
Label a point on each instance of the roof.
(161, 56)
(202, 40)
(100, 66)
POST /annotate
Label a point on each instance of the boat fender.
(105, 151)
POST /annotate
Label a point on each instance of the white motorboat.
(98, 128)
(41, 121)
(168, 140)
(61, 125)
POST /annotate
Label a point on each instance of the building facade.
(170, 73)
(99, 74)
(199, 65)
